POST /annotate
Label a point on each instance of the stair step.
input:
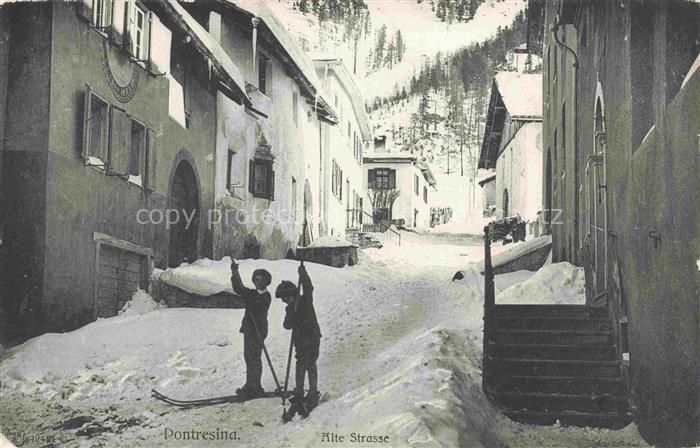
(555, 367)
(549, 310)
(554, 351)
(553, 323)
(557, 384)
(595, 404)
(611, 420)
(552, 337)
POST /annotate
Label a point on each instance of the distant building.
(488, 186)
(620, 174)
(512, 145)
(410, 179)
(343, 193)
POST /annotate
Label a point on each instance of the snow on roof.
(296, 54)
(486, 179)
(217, 53)
(389, 155)
(521, 93)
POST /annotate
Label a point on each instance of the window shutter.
(159, 52)
(118, 28)
(151, 159)
(392, 179)
(371, 178)
(87, 114)
(272, 185)
(129, 6)
(85, 9)
(120, 141)
(251, 176)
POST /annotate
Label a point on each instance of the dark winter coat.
(301, 316)
(256, 306)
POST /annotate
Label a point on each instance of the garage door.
(120, 274)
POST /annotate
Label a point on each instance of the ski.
(211, 401)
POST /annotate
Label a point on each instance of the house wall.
(341, 150)
(25, 83)
(267, 228)
(650, 187)
(519, 171)
(75, 201)
(408, 201)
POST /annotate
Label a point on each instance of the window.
(262, 179)
(102, 14)
(263, 67)
(139, 33)
(382, 179)
(138, 147)
(416, 184)
(229, 170)
(97, 128)
(295, 108)
(337, 180)
(425, 194)
(349, 130)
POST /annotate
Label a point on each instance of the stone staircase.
(544, 363)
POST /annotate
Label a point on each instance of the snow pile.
(558, 284)
(141, 303)
(472, 225)
(330, 241)
(501, 254)
(204, 277)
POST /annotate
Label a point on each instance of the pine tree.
(424, 111)
(390, 54)
(379, 47)
(400, 46)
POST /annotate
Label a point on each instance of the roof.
(486, 179)
(231, 80)
(389, 157)
(290, 53)
(515, 94)
(347, 80)
(521, 93)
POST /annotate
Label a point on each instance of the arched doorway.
(184, 209)
(505, 203)
(548, 194)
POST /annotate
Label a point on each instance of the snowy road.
(400, 360)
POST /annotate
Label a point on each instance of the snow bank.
(141, 303)
(330, 241)
(558, 284)
(473, 225)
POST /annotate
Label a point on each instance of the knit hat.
(265, 275)
(285, 289)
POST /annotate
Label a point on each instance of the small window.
(416, 184)
(98, 128)
(263, 67)
(382, 179)
(425, 194)
(229, 170)
(138, 147)
(295, 108)
(139, 33)
(262, 179)
(101, 14)
(349, 130)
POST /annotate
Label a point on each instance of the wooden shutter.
(251, 176)
(392, 179)
(129, 6)
(272, 184)
(120, 141)
(160, 40)
(84, 9)
(371, 178)
(151, 160)
(87, 115)
(118, 28)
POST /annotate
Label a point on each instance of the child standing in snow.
(306, 336)
(254, 326)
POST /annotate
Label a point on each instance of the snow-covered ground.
(400, 357)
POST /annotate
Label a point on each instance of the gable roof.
(513, 94)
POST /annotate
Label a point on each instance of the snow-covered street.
(400, 358)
